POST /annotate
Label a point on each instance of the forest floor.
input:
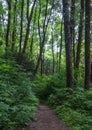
(46, 119)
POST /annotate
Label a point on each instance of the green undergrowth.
(18, 102)
(45, 85)
(73, 106)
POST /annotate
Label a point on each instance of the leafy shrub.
(73, 106)
(17, 100)
(46, 85)
(75, 119)
(59, 97)
(41, 87)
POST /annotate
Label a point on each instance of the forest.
(45, 58)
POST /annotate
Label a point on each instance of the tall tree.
(60, 51)
(44, 30)
(21, 24)
(27, 32)
(27, 10)
(8, 23)
(28, 27)
(72, 19)
(33, 29)
(14, 26)
(68, 43)
(87, 44)
(80, 34)
(52, 34)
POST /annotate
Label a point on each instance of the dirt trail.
(46, 120)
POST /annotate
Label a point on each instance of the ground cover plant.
(18, 103)
(73, 106)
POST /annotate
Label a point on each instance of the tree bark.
(9, 23)
(53, 67)
(28, 28)
(27, 33)
(68, 43)
(27, 9)
(60, 48)
(14, 27)
(21, 24)
(42, 39)
(72, 19)
(80, 35)
(32, 37)
(87, 44)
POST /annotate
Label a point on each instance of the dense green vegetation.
(18, 103)
(45, 56)
(73, 106)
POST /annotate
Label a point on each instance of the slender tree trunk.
(43, 57)
(14, 27)
(72, 19)
(9, 23)
(91, 73)
(68, 43)
(60, 48)
(42, 39)
(39, 33)
(28, 28)
(42, 65)
(87, 44)
(32, 37)
(27, 9)
(2, 34)
(21, 24)
(27, 33)
(80, 35)
(57, 59)
(53, 67)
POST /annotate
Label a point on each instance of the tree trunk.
(60, 48)
(42, 65)
(8, 24)
(27, 33)
(14, 27)
(28, 28)
(21, 24)
(87, 44)
(53, 67)
(32, 37)
(80, 35)
(27, 9)
(42, 39)
(68, 43)
(72, 18)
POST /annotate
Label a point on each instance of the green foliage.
(2, 11)
(45, 85)
(40, 87)
(78, 76)
(58, 97)
(75, 119)
(73, 106)
(17, 100)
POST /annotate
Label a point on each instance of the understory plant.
(74, 107)
(18, 102)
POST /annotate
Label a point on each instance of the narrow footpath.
(46, 120)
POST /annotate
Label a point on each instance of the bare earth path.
(46, 120)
